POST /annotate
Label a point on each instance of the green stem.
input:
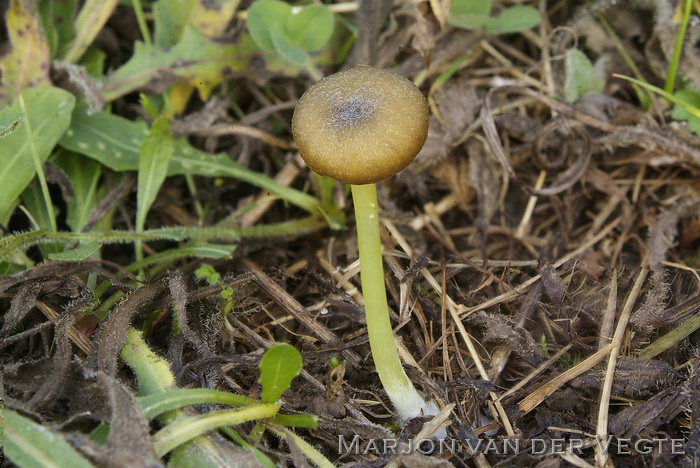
(199, 209)
(678, 49)
(39, 167)
(643, 96)
(287, 229)
(138, 10)
(403, 395)
(312, 70)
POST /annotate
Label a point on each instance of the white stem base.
(409, 403)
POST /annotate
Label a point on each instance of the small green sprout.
(334, 362)
(581, 76)
(211, 276)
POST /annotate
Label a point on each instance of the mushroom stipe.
(360, 127)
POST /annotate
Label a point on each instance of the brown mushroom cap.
(360, 126)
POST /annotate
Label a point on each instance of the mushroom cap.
(360, 126)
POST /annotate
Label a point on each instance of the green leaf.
(280, 364)
(156, 151)
(468, 22)
(170, 19)
(48, 116)
(580, 76)
(212, 17)
(264, 17)
(471, 7)
(84, 175)
(81, 252)
(208, 273)
(27, 63)
(107, 138)
(114, 141)
(469, 14)
(226, 293)
(57, 21)
(94, 62)
(311, 28)
(288, 50)
(689, 97)
(513, 19)
(196, 59)
(28, 444)
(33, 200)
(100, 435)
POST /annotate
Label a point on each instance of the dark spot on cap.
(352, 112)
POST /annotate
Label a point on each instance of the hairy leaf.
(581, 77)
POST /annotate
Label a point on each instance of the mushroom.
(360, 127)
